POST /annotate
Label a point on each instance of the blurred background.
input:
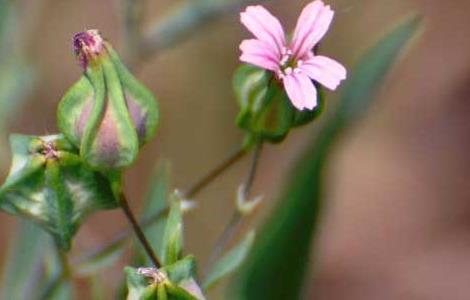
(396, 223)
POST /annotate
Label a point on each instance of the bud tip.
(87, 45)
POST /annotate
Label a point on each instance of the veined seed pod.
(108, 114)
(49, 184)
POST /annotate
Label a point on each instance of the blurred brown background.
(397, 218)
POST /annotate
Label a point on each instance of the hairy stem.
(138, 231)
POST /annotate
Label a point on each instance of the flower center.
(49, 151)
(288, 63)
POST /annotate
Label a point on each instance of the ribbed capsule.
(49, 184)
(108, 114)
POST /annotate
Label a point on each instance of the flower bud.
(108, 114)
(49, 184)
(266, 113)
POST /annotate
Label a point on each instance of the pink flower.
(293, 63)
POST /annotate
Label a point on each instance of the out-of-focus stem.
(183, 21)
(132, 27)
(202, 182)
(63, 275)
(235, 221)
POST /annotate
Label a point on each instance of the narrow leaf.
(23, 262)
(230, 261)
(156, 204)
(173, 236)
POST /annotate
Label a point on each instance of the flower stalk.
(138, 231)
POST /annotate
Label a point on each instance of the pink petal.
(312, 25)
(264, 26)
(258, 47)
(301, 91)
(259, 61)
(324, 70)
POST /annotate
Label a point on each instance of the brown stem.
(214, 173)
(138, 231)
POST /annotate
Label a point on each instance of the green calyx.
(108, 114)
(266, 112)
(49, 183)
(175, 281)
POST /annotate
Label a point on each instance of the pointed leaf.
(230, 261)
(173, 237)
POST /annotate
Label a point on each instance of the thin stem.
(133, 17)
(235, 221)
(197, 186)
(190, 192)
(122, 237)
(138, 231)
(51, 287)
(253, 168)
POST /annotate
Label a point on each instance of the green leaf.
(49, 184)
(183, 269)
(173, 237)
(25, 254)
(156, 204)
(276, 267)
(230, 261)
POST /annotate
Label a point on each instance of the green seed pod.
(49, 183)
(108, 114)
(266, 113)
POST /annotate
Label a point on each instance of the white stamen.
(284, 60)
(297, 71)
(288, 71)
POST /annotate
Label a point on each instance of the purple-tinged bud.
(87, 45)
(108, 114)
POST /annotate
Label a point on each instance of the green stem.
(138, 231)
(235, 221)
